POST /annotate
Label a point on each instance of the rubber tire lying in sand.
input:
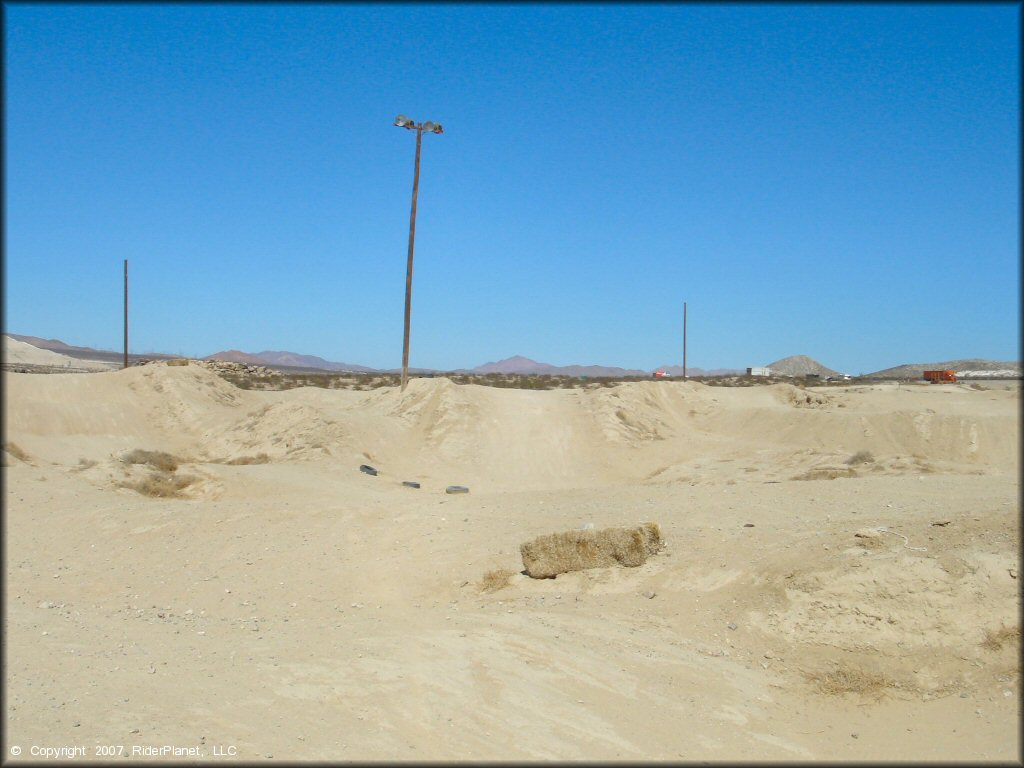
(547, 556)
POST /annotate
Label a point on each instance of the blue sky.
(839, 181)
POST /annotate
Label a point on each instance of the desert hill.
(55, 345)
(800, 365)
(20, 352)
(85, 353)
(968, 368)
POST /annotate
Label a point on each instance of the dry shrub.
(861, 457)
(16, 452)
(259, 458)
(162, 485)
(499, 578)
(826, 473)
(160, 460)
(845, 679)
(547, 556)
(178, 361)
(995, 639)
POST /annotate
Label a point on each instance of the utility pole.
(684, 341)
(408, 268)
(125, 313)
(403, 122)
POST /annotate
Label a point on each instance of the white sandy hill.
(19, 352)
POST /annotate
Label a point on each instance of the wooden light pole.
(403, 122)
(125, 314)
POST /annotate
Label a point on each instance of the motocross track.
(287, 604)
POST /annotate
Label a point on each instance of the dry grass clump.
(159, 460)
(547, 556)
(826, 473)
(162, 485)
(845, 679)
(861, 457)
(259, 458)
(996, 639)
(161, 482)
(496, 579)
(13, 450)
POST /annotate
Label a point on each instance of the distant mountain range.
(677, 371)
(86, 353)
(796, 365)
(287, 360)
(525, 366)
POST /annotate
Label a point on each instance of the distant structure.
(938, 377)
(759, 371)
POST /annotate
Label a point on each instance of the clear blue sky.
(836, 181)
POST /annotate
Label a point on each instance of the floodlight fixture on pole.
(430, 127)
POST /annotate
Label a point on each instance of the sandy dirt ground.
(289, 606)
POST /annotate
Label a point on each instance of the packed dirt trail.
(839, 581)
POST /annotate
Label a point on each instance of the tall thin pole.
(125, 313)
(408, 272)
(684, 341)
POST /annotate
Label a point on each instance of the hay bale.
(547, 556)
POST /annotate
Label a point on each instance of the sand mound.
(469, 434)
(283, 430)
(185, 410)
(800, 398)
(443, 415)
(637, 412)
(898, 602)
